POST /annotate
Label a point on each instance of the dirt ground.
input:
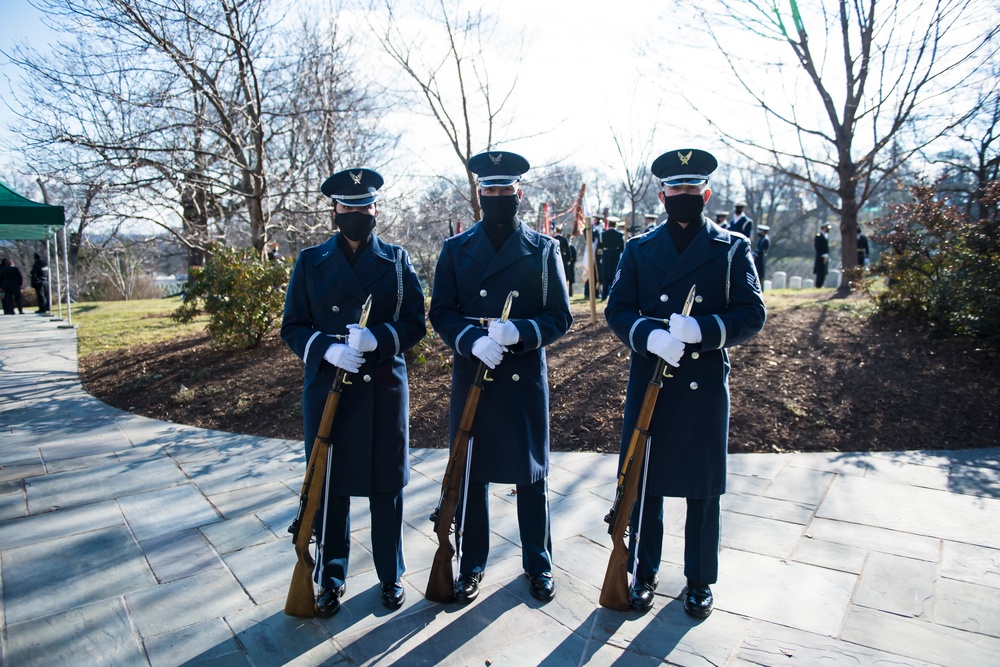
(815, 379)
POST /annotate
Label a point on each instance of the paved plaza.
(129, 541)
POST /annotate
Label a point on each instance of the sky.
(588, 72)
(580, 75)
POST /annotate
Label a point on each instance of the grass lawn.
(110, 325)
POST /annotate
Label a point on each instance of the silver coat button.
(694, 385)
(695, 355)
(482, 292)
(515, 377)
(336, 309)
(663, 298)
(367, 378)
(698, 299)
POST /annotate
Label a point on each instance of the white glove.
(664, 345)
(685, 329)
(345, 357)
(362, 340)
(489, 351)
(505, 333)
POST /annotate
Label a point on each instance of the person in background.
(11, 282)
(741, 223)
(39, 277)
(610, 249)
(476, 271)
(821, 266)
(369, 444)
(863, 248)
(689, 431)
(760, 251)
(568, 253)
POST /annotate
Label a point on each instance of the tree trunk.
(849, 243)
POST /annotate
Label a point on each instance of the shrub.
(942, 269)
(243, 295)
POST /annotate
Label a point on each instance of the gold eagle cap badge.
(496, 160)
(356, 177)
(684, 158)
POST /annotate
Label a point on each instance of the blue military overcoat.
(472, 281)
(690, 424)
(370, 435)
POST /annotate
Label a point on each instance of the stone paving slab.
(171, 549)
(99, 633)
(45, 578)
(919, 639)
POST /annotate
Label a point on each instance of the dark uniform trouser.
(532, 521)
(821, 275)
(42, 296)
(702, 532)
(387, 538)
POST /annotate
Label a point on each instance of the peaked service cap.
(498, 168)
(687, 166)
(353, 187)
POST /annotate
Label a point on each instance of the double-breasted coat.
(370, 436)
(472, 281)
(690, 424)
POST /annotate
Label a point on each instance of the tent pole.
(48, 258)
(69, 313)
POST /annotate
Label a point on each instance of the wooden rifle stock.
(301, 599)
(441, 584)
(614, 591)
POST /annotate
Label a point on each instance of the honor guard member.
(741, 223)
(369, 441)
(760, 251)
(822, 246)
(689, 430)
(611, 245)
(864, 249)
(476, 270)
(720, 219)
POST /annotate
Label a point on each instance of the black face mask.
(684, 207)
(356, 225)
(498, 210)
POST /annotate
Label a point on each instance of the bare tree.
(896, 59)
(326, 119)
(451, 74)
(200, 109)
(635, 155)
(974, 159)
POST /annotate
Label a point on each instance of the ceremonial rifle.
(614, 591)
(441, 585)
(301, 599)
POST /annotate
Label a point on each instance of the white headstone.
(795, 282)
(808, 283)
(767, 286)
(833, 279)
(778, 279)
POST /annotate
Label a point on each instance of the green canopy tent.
(24, 220)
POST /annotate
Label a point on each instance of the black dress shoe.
(393, 595)
(542, 586)
(698, 600)
(467, 587)
(640, 596)
(328, 602)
